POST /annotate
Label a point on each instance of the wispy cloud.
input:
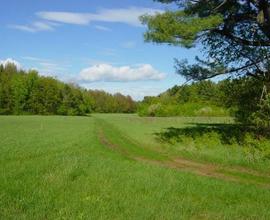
(128, 44)
(128, 16)
(109, 73)
(35, 59)
(47, 67)
(108, 52)
(93, 62)
(47, 20)
(52, 66)
(102, 28)
(35, 26)
(65, 17)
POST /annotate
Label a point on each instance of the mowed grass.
(58, 168)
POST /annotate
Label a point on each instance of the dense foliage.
(24, 92)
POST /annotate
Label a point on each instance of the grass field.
(113, 166)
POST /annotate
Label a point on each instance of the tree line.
(26, 92)
(243, 98)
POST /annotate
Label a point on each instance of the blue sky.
(97, 44)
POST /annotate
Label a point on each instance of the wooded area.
(24, 92)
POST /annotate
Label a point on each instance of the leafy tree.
(235, 36)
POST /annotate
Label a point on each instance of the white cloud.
(109, 73)
(35, 26)
(10, 60)
(128, 16)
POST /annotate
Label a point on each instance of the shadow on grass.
(227, 133)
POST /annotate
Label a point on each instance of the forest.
(26, 92)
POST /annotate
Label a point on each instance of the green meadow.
(121, 166)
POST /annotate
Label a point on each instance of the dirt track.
(203, 169)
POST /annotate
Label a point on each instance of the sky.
(97, 44)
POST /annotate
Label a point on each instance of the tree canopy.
(234, 34)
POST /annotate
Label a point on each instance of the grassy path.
(132, 150)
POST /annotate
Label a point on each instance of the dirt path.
(234, 174)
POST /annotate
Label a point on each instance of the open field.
(113, 166)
